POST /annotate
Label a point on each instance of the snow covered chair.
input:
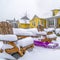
(49, 38)
(23, 33)
(9, 44)
(25, 43)
(12, 45)
(9, 38)
(6, 35)
(49, 31)
(50, 34)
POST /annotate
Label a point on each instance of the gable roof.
(55, 9)
(35, 16)
(25, 18)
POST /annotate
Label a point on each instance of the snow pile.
(6, 56)
(25, 32)
(1, 44)
(57, 31)
(49, 29)
(8, 37)
(51, 36)
(25, 42)
(6, 46)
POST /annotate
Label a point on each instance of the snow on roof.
(8, 37)
(24, 21)
(56, 9)
(6, 56)
(25, 42)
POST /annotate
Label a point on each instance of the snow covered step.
(8, 37)
(25, 42)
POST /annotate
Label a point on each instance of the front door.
(50, 23)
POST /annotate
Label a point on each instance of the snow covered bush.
(57, 31)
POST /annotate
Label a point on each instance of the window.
(42, 22)
(51, 23)
(33, 23)
(39, 22)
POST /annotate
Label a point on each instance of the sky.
(10, 9)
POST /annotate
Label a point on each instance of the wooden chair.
(6, 28)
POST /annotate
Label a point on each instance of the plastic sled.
(46, 44)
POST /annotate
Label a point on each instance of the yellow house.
(37, 21)
(24, 22)
(55, 11)
(54, 20)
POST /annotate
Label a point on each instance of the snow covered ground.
(40, 53)
(5, 56)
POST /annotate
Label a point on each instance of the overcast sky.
(18, 8)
